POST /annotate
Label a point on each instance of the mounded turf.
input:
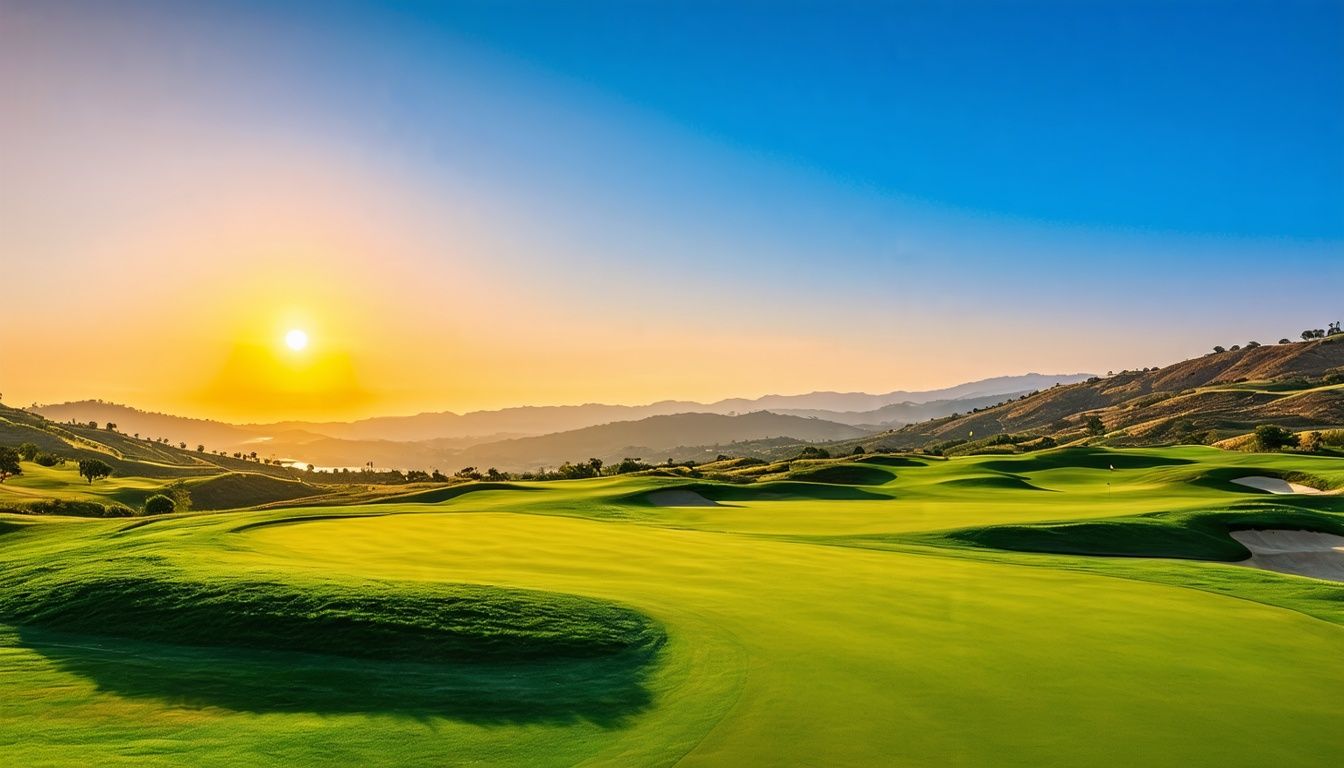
(917, 621)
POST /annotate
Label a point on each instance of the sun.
(296, 339)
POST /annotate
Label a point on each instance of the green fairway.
(1075, 607)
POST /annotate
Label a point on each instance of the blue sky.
(819, 195)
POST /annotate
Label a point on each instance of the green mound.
(892, 461)
(1085, 458)
(1136, 538)
(242, 489)
(783, 490)
(437, 495)
(1186, 536)
(408, 622)
(1007, 482)
(845, 474)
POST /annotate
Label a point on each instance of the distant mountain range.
(531, 436)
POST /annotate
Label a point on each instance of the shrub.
(1270, 437)
(158, 504)
(48, 460)
(74, 508)
(28, 451)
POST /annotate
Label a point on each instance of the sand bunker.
(1303, 553)
(677, 497)
(1275, 485)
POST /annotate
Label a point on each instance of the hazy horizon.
(469, 206)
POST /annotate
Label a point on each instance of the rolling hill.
(1298, 385)
(655, 437)
(436, 439)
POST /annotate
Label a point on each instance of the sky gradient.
(473, 205)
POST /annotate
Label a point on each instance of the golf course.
(616, 384)
(1077, 606)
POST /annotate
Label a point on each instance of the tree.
(467, 473)
(858, 451)
(1235, 347)
(629, 464)
(200, 449)
(495, 476)
(595, 465)
(1095, 426)
(111, 426)
(93, 425)
(183, 446)
(9, 463)
(1271, 437)
(1218, 350)
(28, 451)
(94, 469)
(158, 504)
(1252, 344)
(1285, 341)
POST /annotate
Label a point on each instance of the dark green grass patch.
(437, 495)
(845, 474)
(1086, 458)
(1002, 481)
(240, 489)
(784, 490)
(371, 620)
(606, 691)
(1203, 535)
(892, 461)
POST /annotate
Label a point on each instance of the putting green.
(804, 624)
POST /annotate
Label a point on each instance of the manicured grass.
(884, 611)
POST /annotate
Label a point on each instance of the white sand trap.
(1303, 553)
(677, 497)
(1275, 485)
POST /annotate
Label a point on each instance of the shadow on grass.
(892, 461)
(845, 474)
(1002, 482)
(606, 691)
(1084, 458)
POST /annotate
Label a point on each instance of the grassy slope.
(1229, 392)
(809, 620)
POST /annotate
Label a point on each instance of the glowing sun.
(296, 339)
